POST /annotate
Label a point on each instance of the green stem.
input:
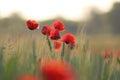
(63, 50)
(49, 44)
(67, 57)
(34, 54)
(50, 47)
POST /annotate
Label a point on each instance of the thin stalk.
(63, 51)
(34, 55)
(49, 44)
(68, 54)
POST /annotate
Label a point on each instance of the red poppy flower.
(69, 39)
(57, 70)
(32, 24)
(57, 46)
(107, 54)
(46, 30)
(54, 35)
(27, 77)
(58, 25)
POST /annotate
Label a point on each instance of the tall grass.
(20, 55)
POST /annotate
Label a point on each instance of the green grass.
(20, 55)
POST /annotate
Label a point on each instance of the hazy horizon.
(47, 9)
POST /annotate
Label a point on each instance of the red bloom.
(57, 70)
(107, 55)
(32, 24)
(58, 25)
(27, 77)
(57, 46)
(46, 30)
(69, 39)
(54, 35)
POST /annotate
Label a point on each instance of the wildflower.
(107, 55)
(46, 30)
(32, 24)
(69, 39)
(27, 77)
(57, 70)
(58, 25)
(57, 46)
(54, 35)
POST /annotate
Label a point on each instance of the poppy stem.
(67, 57)
(50, 47)
(49, 44)
(63, 50)
(34, 54)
